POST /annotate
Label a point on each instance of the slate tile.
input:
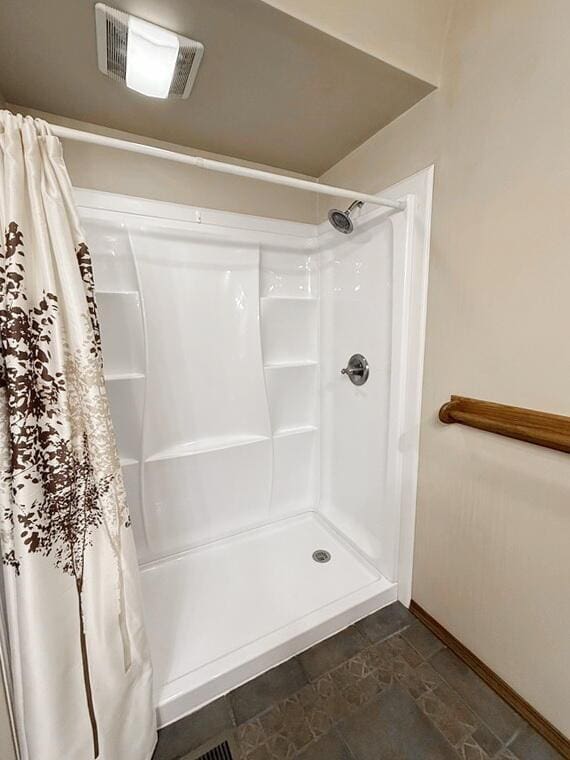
(457, 708)
(319, 720)
(379, 658)
(331, 699)
(400, 648)
(417, 681)
(250, 736)
(258, 695)
(455, 730)
(188, 733)
(330, 747)
(487, 740)
(260, 753)
(300, 735)
(470, 749)
(392, 727)
(359, 694)
(503, 721)
(422, 639)
(385, 622)
(332, 652)
(317, 717)
(428, 675)
(281, 747)
(351, 672)
(287, 719)
(530, 744)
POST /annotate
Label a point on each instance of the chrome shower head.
(341, 220)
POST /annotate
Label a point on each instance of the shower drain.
(321, 555)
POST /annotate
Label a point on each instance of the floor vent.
(219, 752)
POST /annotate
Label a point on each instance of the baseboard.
(543, 726)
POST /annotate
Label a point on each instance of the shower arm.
(66, 133)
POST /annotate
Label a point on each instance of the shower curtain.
(78, 664)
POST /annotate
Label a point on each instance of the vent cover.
(112, 28)
(219, 752)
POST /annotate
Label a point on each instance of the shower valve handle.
(357, 369)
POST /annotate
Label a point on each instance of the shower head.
(341, 220)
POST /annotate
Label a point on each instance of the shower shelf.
(283, 433)
(116, 292)
(206, 445)
(293, 363)
(114, 376)
(309, 299)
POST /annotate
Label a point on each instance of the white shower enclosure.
(244, 448)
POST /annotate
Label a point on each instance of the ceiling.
(409, 34)
(271, 88)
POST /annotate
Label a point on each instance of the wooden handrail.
(541, 428)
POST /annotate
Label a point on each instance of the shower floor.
(222, 614)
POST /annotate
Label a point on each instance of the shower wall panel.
(357, 308)
(205, 370)
(210, 341)
(242, 445)
(207, 433)
(289, 329)
(288, 273)
(191, 499)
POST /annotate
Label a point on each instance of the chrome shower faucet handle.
(357, 369)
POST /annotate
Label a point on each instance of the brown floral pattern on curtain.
(57, 494)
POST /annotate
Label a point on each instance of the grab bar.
(540, 428)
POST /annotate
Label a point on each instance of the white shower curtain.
(78, 663)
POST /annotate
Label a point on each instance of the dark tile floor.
(383, 689)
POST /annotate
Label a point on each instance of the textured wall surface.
(493, 526)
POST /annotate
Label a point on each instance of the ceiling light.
(151, 58)
(147, 58)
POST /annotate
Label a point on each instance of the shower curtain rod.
(219, 166)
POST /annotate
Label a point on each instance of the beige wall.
(492, 560)
(132, 174)
(408, 34)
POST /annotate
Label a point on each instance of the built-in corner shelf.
(114, 376)
(292, 364)
(307, 299)
(116, 292)
(215, 443)
(295, 431)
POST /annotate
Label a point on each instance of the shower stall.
(272, 499)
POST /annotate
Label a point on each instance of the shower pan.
(272, 500)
